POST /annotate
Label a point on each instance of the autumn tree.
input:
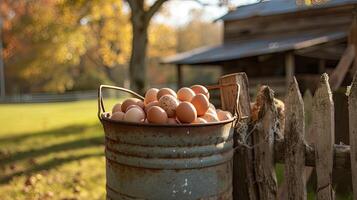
(140, 20)
(141, 15)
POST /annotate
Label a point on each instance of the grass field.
(55, 151)
(51, 151)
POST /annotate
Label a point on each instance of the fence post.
(352, 107)
(266, 128)
(295, 143)
(243, 175)
(323, 124)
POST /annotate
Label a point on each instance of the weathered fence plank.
(310, 136)
(294, 143)
(266, 127)
(243, 172)
(352, 107)
(323, 124)
(282, 191)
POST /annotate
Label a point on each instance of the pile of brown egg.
(165, 106)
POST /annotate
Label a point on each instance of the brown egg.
(119, 116)
(210, 118)
(151, 95)
(199, 89)
(186, 112)
(133, 106)
(172, 121)
(169, 104)
(224, 115)
(185, 94)
(141, 104)
(116, 108)
(129, 102)
(153, 103)
(201, 104)
(165, 91)
(134, 115)
(157, 115)
(199, 120)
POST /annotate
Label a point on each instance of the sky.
(178, 11)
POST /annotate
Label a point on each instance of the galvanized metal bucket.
(148, 161)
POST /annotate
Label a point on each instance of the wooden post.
(266, 128)
(283, 188)
(352, 39)
(310, 136)
(323, 124)
(289, 67)
(243, 174)
(295, 143)
(179, 76)
(352, 107)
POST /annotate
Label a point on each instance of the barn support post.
(352, 39)
(179, 76)
(289, 68)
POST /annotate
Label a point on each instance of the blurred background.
(55, 53)
(52, 46)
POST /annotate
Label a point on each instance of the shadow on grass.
(48, 165)
(63, 131)
(65, 146)
(32, 152)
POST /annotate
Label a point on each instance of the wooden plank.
(323, 124)
(282, 191)
(352, 39)
(243, 173)
(352, 107)
(310, 136)
(342, 181)
(343, 65)
(294, 143)
(266, 128)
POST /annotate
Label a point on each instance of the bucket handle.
(101, 108)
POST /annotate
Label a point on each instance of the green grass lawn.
(51, 151)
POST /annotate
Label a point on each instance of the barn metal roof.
(273, 7)
(248, 48)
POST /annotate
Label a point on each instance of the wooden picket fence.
(260, 142)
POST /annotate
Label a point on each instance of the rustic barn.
(274, 40)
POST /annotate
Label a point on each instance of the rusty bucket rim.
(166, 125)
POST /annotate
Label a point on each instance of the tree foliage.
(60, 45)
